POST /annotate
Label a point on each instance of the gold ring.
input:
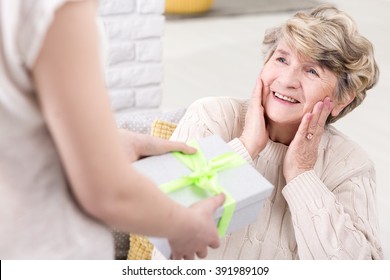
(309, 136)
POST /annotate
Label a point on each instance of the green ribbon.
(205, 176)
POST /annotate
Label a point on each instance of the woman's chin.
(281, 118)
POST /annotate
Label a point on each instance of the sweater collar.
(274, 152)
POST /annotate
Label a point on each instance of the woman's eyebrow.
(312, 63)
(282, 52)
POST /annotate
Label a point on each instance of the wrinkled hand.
(302, 153)
(255, 134)
(200, 232)
(138, 145)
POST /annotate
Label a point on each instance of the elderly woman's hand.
(302, 153)
(255, 135)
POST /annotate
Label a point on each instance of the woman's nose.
(290, 77)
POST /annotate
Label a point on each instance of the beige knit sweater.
(327, 213)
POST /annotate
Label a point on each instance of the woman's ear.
(338, 107)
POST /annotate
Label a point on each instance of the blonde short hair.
(330, 37)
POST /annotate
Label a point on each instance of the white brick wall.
(134, 69)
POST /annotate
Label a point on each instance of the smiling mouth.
(285, 98)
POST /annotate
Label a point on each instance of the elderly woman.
(317, 69)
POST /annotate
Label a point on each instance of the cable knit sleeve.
(334, 217)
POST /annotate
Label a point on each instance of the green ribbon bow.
(205, 176)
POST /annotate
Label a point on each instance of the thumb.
(183, 147)
(216, 201)
(209, 205)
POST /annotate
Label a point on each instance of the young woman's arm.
(70, 85)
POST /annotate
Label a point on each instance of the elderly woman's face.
(293, 85)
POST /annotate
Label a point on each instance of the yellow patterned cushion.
(163, 129)
(140, 247)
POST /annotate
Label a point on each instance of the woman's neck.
(280, 133)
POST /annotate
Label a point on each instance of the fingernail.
(327, 102)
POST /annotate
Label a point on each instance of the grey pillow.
(141, 121)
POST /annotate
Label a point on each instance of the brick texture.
(133, 29)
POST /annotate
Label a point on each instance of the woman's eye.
(313, 71)
(281, 59)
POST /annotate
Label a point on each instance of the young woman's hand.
(302, 153)
(255, 134)
(138, 145)
(199, 231)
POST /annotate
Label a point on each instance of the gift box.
(215, 168)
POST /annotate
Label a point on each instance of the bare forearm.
(134, 204)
